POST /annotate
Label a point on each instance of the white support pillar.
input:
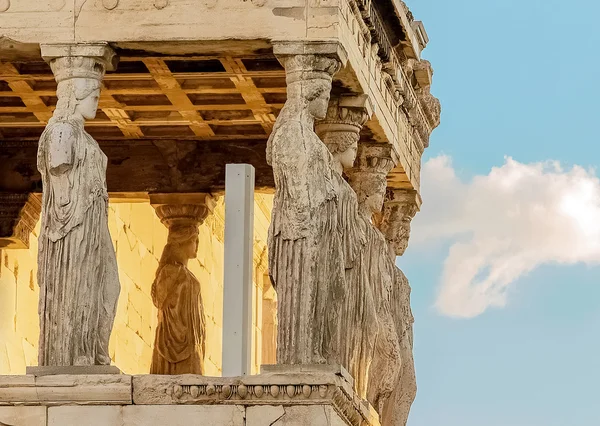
(237, 288)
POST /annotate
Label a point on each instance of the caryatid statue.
(369, 179)
(306, 260)
(77, 266)
(179, 345)
(340, 131)
(400, 207)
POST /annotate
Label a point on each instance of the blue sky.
(517, 79)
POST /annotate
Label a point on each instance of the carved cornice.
(19, 214)
(396, 69)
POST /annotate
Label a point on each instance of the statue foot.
(83, 360)
(102, 359)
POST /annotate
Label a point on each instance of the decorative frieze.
(297, 387)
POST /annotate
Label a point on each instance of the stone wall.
(139, 238)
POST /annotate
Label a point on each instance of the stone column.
(77, 266)
(179, 345)
(305, 252)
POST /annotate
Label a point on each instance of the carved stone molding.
(399, 208)
(19, 213)
(72, 58)
(290, 385)
(93, 389)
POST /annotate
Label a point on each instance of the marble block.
(23, 416)
(99, 389)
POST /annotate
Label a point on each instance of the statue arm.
(61, 144)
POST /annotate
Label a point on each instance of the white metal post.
(237, 288)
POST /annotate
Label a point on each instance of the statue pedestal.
(295, 396)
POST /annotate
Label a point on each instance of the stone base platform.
(282, 396)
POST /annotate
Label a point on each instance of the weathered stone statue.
(78, 277)
(400, 207)
(368, 178)
(340, 131)
(306, 260)
(179, 346)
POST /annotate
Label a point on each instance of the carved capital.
(346, 115)
(368, 177)
(175, 210)
(79, 60)
(399, 208)
(19, 214)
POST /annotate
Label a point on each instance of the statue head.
(183, 222)
(78, 89)
(400, 207)
(340, 129)
(183, 242)
(309, 80)
(369, 176)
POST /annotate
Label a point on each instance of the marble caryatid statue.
(77, 267)
(306, 259)
(368, 179)
(400, 207)
(340, 131)
(179, 345)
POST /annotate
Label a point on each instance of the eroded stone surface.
(90, 416)
(78, 273)
(23, 416)
(63, 389)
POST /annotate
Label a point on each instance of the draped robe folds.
(305, 254)
(359, 316)
(387, 361)
(398, 406)
(179, 345)
(77, 266)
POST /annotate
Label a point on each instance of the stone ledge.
(299, 387)
(291, 393)
(97, 389)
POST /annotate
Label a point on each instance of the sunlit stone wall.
(139, 238)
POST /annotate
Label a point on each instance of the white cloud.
(503, 225)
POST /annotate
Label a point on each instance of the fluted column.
(179, 345)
